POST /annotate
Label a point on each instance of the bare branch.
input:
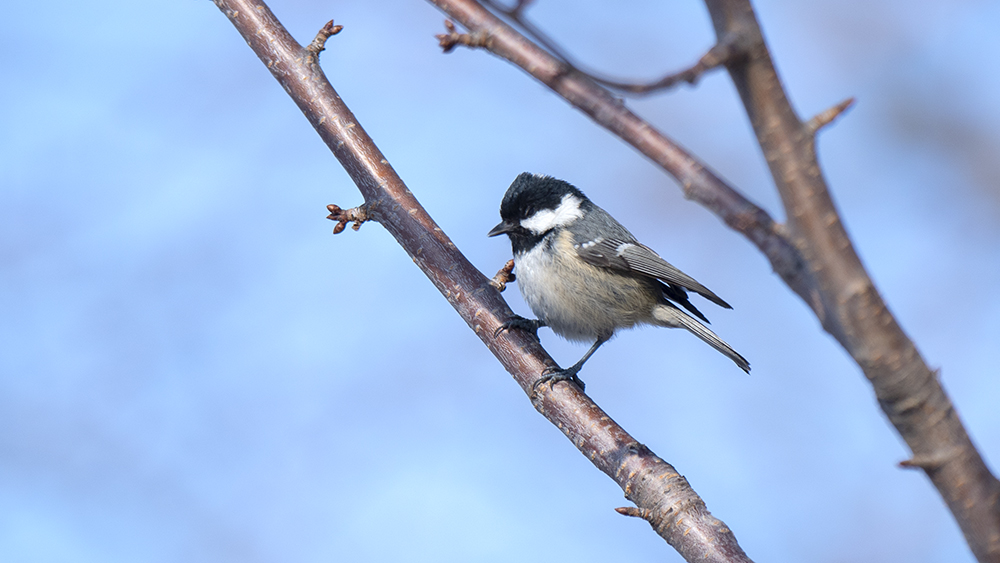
(722, 53)
(676, 511)
(813, 254)
(851, 308)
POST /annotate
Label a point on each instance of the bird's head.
(535, 204)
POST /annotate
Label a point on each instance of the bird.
(585, 276)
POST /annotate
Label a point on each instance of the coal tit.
(585, 276)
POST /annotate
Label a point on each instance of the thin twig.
(718, 55)
(722, 53)
(516, 15)
(318, 44)
(826, 117)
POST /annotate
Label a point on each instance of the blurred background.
(192, 367)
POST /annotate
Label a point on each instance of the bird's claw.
(520, 323)
(553, 375)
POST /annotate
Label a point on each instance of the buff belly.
(577, 300)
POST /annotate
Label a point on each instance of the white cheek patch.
(547, 219)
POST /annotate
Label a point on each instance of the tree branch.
(718, 55)
(813, 255)
(664, 496)
(851, 308)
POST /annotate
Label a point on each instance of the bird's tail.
(669, 316)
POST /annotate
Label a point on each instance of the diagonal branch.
(663, 496)
(814, 254)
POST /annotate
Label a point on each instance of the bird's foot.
(555, 375)
(520, 323)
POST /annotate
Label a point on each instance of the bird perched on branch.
(585, 276)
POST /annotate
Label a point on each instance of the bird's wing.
(629, 255)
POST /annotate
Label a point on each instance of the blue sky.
(192, 367)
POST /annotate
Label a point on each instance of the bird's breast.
(577, 300)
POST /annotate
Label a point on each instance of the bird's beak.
(503, 227)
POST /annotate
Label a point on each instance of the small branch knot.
(931, 461)
(824, 118)
(318, 44)
(634, 512)
(503, 277)
(448, 41)
(358, 215)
